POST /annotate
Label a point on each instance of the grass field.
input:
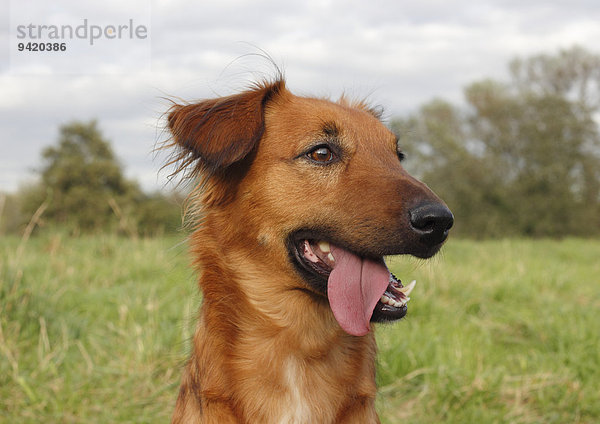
(95, 330)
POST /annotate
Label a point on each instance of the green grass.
(96, 329)
(93, 329)
(498, 332)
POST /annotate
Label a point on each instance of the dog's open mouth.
(360, 290)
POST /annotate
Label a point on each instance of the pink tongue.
(355, 286)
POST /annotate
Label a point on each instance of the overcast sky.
(399, 54)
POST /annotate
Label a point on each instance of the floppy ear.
(222, 131)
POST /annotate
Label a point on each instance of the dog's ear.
(222, 131)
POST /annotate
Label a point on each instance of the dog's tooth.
(406, 290)
(330, 257)
(324, 246)
(402, 302)
(386, 300)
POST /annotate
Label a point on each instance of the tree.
(524, 157)
(440, 153)
(83, 188)
(82, 180)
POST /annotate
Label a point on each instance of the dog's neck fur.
(245, 349)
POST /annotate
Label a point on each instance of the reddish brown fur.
(267, 348)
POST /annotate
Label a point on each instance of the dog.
(297, 201)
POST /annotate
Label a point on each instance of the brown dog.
(299, 200)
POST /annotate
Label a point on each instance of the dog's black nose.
(431, 221)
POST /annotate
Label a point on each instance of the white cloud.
(400, 54)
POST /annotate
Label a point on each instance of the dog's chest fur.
(295, 389)
(298, 410)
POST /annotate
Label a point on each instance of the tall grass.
(497, 332)
(95, 330)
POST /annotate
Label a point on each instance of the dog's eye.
(321, 154)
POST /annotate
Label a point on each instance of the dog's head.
(318, 184)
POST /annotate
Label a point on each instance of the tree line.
(518, 158)
(82, 188)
